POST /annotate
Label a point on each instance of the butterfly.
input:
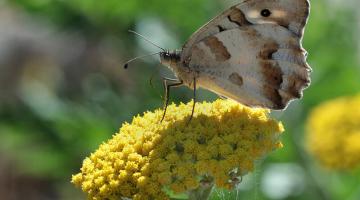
(251, 53)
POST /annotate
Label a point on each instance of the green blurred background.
(63, 90)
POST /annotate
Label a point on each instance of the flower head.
(147, 158)
(333, 133)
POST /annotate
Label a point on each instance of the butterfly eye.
(265, 13)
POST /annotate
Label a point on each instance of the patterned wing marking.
(290, 14)
(267, 66)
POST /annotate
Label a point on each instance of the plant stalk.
(201, 193)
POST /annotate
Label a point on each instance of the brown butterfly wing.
(290, 14)
(259, 65)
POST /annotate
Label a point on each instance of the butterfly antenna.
(126, 65)
(146, 39)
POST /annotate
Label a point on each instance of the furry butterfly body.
(251, 53)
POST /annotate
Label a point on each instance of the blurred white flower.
(283, 180)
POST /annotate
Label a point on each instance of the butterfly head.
(170, 58)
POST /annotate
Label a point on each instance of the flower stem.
(201, 193)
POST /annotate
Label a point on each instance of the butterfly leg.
(153, 75)
(152, 85)
(194, 101)
(168, 84)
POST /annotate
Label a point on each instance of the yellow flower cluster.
(333, 133)
(149, 158)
